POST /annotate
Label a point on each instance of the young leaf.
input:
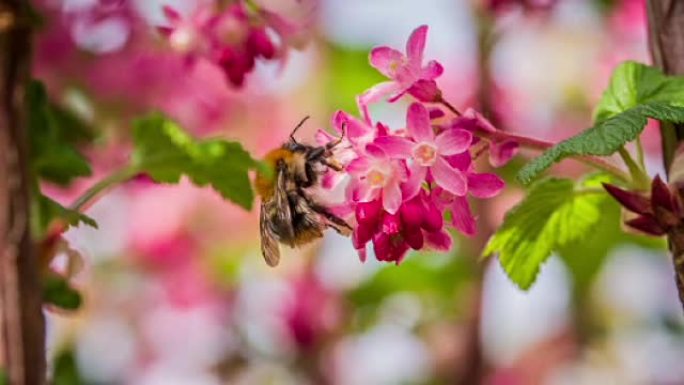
(166, 152)
(553, 214)
(53, 134)
(47, 210)
(56, 291)
(605, 138)
(633, 84)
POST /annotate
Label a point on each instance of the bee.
(289, 214)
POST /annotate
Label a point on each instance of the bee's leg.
(334, 219)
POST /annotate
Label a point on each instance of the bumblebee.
(289, 215)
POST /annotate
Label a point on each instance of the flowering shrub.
(413, 184)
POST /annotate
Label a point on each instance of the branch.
(22, 337)
(666, 40)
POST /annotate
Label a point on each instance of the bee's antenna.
(339, 140)
(301, 123)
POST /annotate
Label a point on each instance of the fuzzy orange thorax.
(265, 184)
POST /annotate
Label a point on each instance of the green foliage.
(636, 92)
(47, 210)
(350, 74)
(633, 84)
(58, 292)
(553, 214)
(53, 134)
(166, 152)
(66, 369)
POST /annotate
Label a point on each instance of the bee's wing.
(283, 217)
(269, 243)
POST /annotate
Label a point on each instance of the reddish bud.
(646, 224)
(426, 91)
(259, 44)
(661, 196)
(632, 201)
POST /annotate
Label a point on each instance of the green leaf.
(605, 138)
(58, 292)
(66, 369)
(553, 214)
(633, 84)
(53, 134)
(47, 210)
(166, 152)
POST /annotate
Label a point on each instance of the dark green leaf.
(166, 152)
(53, 135)
(605, 138)
(56, 291)
(553, 214)
(47, 210)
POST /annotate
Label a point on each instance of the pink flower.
(417, 223)
(376, 176)
(428, 153)
(404, 70)
(187, 35)
(231, 39)
(480, 185)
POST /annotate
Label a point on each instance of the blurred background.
(176, 291)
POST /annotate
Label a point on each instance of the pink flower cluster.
(402, 183)
(233, 38)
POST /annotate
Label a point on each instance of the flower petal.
(376, 151)
(354, 129)
(462, 161)
(453, 141)
(418, 123)
(433, 220)
(414, 239)
(449, 178)
(438, 240)
(501, 152)
(395, 146)
(416, 45)
(358, 165)
(374, 94)
(484, 185)
(391, 198)
(432, 70)
(462, 218)
(386, 60)
(323, 137)
(412, 186)
(381, 246)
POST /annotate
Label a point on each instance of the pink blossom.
(187, 35)
(480, 185)
(428, 152)
(416, 224)
(404, 70)
(375, 175)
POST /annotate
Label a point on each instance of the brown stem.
(666, 40)
(22, 334)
